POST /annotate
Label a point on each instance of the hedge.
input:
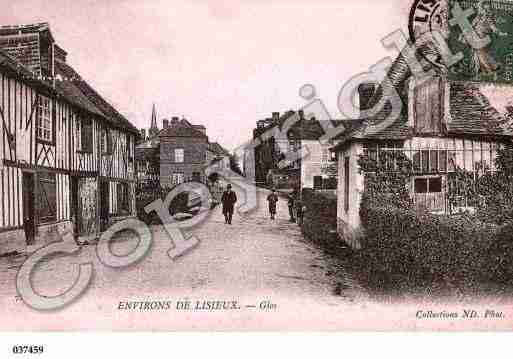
(406, 251)
(320, 218)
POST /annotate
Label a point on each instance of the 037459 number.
(28, 349)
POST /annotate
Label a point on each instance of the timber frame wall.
(21, 151)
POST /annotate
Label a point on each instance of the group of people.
(293, 202)
(229, 198)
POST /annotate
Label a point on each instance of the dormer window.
(428, 107)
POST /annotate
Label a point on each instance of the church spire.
(154, 130)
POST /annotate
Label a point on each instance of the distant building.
(178, 153)
(312, 163)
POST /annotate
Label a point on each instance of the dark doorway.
(104, 205)
(75, 207)
(29, 222)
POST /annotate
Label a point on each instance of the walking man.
(229, 199)
(272, 199)
(292, 197)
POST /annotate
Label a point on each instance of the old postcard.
(341, 165)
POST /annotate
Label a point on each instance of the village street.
(254, 260)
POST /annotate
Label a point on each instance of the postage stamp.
(493, 61)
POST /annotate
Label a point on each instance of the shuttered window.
(79, 134)
(46, 198)
(106, 141)
(110, 135)
(428, 106)
(86, 135)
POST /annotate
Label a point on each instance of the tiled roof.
(472, 113)
(311, 129)
(28, 28)
(72, 87)
(218, 149)
(181, 130)
(65, 83)
(109, 112)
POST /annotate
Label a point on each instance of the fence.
(437, 184)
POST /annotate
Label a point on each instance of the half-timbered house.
(66, 155)
(444, 126)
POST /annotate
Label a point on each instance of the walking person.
(272, 199)
(229, 199)
(292, 197)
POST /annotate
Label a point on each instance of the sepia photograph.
(255, 166)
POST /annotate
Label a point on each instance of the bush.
(500, 255)
(407, 251)
(489, 192)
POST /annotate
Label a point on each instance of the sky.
(223, 64)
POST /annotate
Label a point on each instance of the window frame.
(79, 133)
(106, 141)
(86, 123)
(176, 157)
(45, 116)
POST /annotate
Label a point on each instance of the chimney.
(33, 46)
(174, 121)
(165, 123)
(143, 134)
(366, 91)
(301, 114)
(276, 116)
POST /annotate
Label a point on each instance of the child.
(272, 199)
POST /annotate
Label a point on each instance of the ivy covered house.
(444, 126)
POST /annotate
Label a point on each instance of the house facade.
(66, 155)
(444, 126)
(310, 163)
(178, 153)
(183, 154)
